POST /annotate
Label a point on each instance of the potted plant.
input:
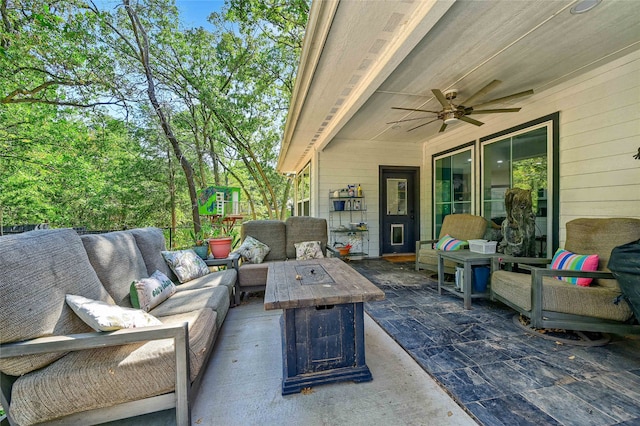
(222, 237)
(200, 245)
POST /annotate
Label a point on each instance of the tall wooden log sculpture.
(519, 228)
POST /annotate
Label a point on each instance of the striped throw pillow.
(564, 259)
(448, 243)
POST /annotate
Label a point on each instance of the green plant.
(199, 238)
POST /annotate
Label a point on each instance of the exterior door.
(398, 209)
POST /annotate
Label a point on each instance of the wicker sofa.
(459, 226)
(281, 237)
(54, 367)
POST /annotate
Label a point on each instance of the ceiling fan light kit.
(452, 113)
(450, 118)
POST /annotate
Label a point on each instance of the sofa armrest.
(73, 342)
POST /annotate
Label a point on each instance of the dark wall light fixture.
(584, 6)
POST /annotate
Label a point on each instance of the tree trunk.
(142, 42)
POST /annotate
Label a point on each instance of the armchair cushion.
(564, 259)
(560, 296)
(459, 226)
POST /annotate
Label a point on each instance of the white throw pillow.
(147, 293)
(186, 264)
(308, 250)
(101, 316)
(253, 250)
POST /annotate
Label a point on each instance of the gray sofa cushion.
(252, 275)
(151, 243)
(270, 232)
(226, 278)
(117, 261)
(214, 298)
(110, 375)
(40, 268)
(304, 228)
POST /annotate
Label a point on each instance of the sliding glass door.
(520, 160)
(454, 183)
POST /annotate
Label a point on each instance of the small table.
(467, 259)
(322, 322)
(231, 261)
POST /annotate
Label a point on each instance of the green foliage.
(224, 94)
(531, 173)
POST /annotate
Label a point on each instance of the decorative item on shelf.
(344, 250)
(359, 191)
(338, 205)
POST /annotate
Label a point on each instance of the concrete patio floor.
(433, 363)
(243, 382)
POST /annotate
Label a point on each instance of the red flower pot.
(220, 247)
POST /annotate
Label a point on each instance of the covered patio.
(433, 363)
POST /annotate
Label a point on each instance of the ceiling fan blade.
(506, 98)
(407, 119)
(486, 89)
(492, 111)
(438, 94)
(414, 109)
(442, 128)
(428, 122)
(471, 120)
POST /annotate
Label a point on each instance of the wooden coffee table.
(322, 322)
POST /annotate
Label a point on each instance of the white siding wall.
(357, 162)
(599, 134)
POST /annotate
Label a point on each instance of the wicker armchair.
(551, 303)
(459, 226)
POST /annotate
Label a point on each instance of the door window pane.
(396, 197)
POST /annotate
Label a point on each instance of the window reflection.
(396, 197)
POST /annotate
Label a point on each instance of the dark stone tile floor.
(498, 372)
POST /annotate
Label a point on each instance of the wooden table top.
(315, 282)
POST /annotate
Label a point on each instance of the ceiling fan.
(453, 112)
